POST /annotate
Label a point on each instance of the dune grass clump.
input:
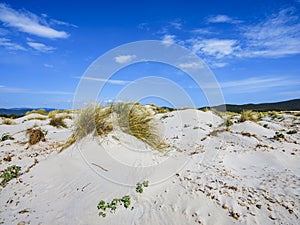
(38, 111)
(291, 132)
(93, 119)
(131, 118)
(8, 121)
(248, 115)
(35, 136)
(6, 136)
(9, 173)
(137, 120)
(58, 122)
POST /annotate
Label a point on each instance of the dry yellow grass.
(35, 136)
(39, 111)
(8, 121)
(132, 118)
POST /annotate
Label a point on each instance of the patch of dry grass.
(35, 136)
(137, 120)
(131, 118)
(38, 111)
(8, 121)
(248, 115)
(58, 122)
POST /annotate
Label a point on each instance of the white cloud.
(276, 36)
(117, 82)
(176, 24)
(191, 65)
(5, 89)
(168, 39)
(255, 84)
(124, 58)
(219, 64)
(222, 19)
(214, 47)
(40, 47)
(62, 23)
(48, 65)
(6, 43)
(28, 22)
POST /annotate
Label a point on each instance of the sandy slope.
(241, 176)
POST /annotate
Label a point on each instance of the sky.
(251, 47)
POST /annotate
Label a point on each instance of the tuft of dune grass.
(8, 121)
(131, 118)
(58, 122)
(137, 120)
(248, 115)
(39, 111)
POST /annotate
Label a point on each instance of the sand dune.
(209, 174)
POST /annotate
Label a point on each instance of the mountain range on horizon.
(289, 105)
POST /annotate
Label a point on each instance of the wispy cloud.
(168, 39)
(214, 47)
(222, 19)
(5, 89)
(48, 65)
(276, 36)
(177, 24)
(256, 84)
(116, 82)
(124, 58)
(8, 44)
(28, 22)
(40, 47)
(191, 65)
(62, 23)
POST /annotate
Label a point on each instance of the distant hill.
(290, 105)
(17, 112)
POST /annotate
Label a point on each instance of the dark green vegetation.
(291, 105)
(125, 201)
(6, 136)
(9, 173)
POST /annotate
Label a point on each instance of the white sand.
(204, 178)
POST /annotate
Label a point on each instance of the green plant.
(278, 136)
(102, 205)
(139, 186)
(58, 122)
(10, 173)
(228, 122)
(265, 125)
(6, 136)
(291, 132)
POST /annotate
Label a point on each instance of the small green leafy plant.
(125, 201)
(102, 205)
(291, 132)
(278, 136)
(6, 136)
(139, 186)
(10, 173)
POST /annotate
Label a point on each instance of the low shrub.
(9, 173)
(291, 132)
(6, 136)
(248, 115)
(35, 136)
(58, 122)
(8, 121)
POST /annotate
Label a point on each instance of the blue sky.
(252, 47)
